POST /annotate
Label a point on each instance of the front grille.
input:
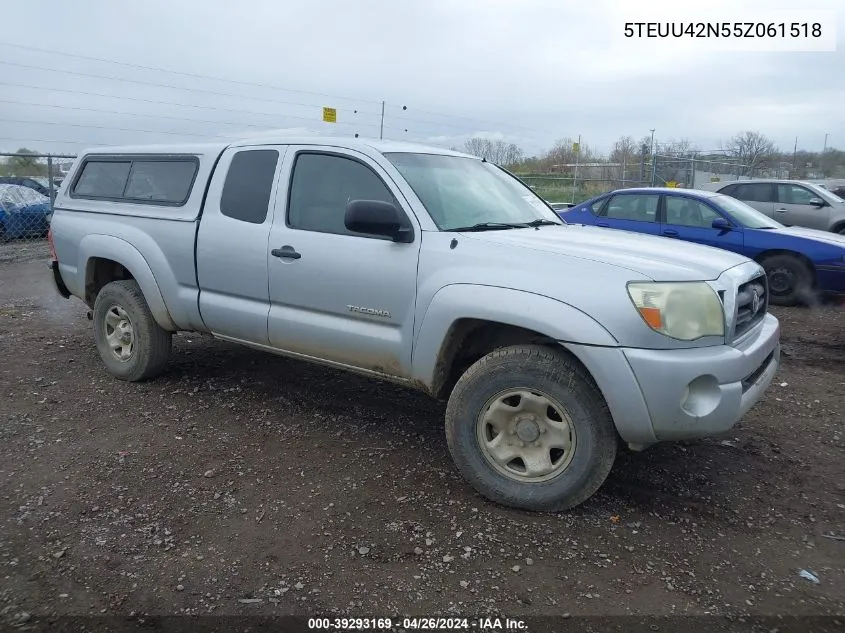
(752, 302)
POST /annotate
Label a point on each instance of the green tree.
(25, 163)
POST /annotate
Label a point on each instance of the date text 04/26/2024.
(502, 625)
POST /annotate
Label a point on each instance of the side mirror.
(375, 217)
(722, 224)
(817, 202)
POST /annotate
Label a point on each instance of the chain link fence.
(575, 183)
(28, 186)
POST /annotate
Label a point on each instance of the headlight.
(681, 310)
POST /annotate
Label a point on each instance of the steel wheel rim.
(120, 335)
(526, 435)
(781, 280)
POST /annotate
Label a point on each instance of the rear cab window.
(162, 180)
(248, 185)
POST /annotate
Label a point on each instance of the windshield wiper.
(498, 226)
(491, 226)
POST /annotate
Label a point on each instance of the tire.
(841, 230)
(120, 303)
(790, 280)
(561, 381)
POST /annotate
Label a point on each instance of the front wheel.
(790, 280)
(528, 428)
(132, 345)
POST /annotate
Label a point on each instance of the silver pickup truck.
(443, 272)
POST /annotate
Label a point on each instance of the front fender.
(547, 316)
(124, 253)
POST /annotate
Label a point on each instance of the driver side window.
(795, 194)
(321, 187)
(689, 212)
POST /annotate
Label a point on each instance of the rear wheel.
(528, 428)
(790, 280)
(132, 345)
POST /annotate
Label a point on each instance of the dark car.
(24, 181)
(24, 213)
(797, 261)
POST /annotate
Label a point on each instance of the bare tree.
(498, 152)
(623, 149)
(681, 148)
(563, 153)
(625, 153)
(752, 149)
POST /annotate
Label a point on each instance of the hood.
(658, 258)
(825, 237)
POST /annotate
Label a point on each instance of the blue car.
(23, 212)
(798, 262)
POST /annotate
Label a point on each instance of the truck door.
(232, 243)
(342, 297)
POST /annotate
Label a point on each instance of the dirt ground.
(243, 483)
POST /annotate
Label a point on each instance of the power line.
(238, 82)
(39, 140)
(183, 73)
(142, 100)
(197, 106)
(111, 127)
(141, 82)
(201, 90)
(164, 116)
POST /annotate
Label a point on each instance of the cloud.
(528, 73)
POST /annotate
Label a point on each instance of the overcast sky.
(529, 71)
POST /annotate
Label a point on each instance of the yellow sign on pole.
(576, 147)
(672, 184)
(329, 115)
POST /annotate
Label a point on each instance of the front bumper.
(831, 279)
(656, 395)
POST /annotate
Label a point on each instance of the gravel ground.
(243, 483)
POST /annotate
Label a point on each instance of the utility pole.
(794, 156)
(653, 159)
(575, 180)
(381, 127)
(826, 134)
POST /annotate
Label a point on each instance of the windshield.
(461, 192)
(747, 216)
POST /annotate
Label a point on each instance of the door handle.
(670, 233)
(286, 252)
(781, 210)
(602, 224)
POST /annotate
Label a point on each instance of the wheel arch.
(109, 258)
(773, 252)
(464, 322)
